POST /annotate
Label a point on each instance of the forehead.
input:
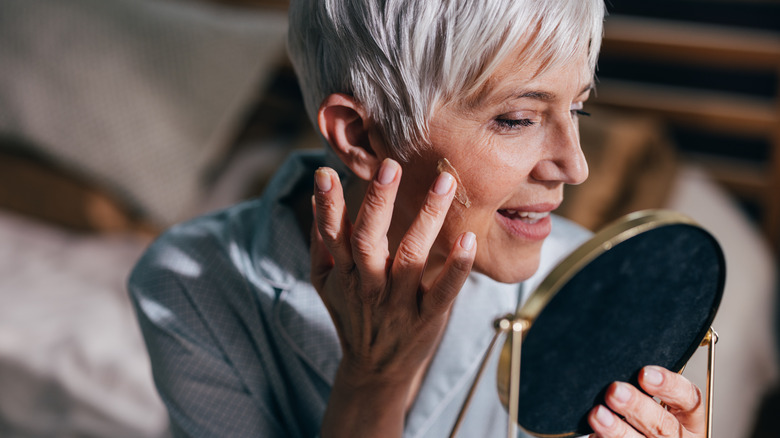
(543, 79)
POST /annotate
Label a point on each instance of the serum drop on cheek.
(444, 165)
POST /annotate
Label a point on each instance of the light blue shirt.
(242, 346)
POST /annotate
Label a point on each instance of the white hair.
(401, 59)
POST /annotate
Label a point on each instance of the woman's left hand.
(633, 413)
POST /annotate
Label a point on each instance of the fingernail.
(467, 241)
(652, 376)
(443, 183)
(604, 417)
(322, 179)
(622, 393)
(387, 171)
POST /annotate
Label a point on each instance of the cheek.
(491, 179)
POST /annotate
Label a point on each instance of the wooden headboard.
(717, 111)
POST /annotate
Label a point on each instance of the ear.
(344, 124)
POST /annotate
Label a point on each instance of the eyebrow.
(482, 96)
(546, 97)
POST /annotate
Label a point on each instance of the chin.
(517, 272)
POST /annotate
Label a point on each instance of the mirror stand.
(510, 325)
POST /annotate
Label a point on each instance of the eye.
(514, 123)
(576, 110)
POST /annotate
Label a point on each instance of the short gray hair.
(401, 59)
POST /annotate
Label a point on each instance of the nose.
(562, 159)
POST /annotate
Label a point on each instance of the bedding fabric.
(72, 361)
(139, 96)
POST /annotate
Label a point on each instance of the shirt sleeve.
(204, 392)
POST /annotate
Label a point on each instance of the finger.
(608, 425)
(642, 412)
(321, 260)
(450, 280)
(683, 398)
(412, 252)
(331, 217)
(369, 234)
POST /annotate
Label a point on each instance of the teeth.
(532, 215)
(527, 216)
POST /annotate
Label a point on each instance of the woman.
(454, 126)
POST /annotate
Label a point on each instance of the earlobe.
(344, 124)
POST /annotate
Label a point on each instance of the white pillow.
(140, 96)
(72, 359)
(746, 361)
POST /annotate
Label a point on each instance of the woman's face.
(514, 147)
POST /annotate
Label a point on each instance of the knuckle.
(410, 251)
(346, 270)
(462, 265)
(667, 426)
(325, 205)
(366, 249)
(362, 252)
(373, 201)
(441, 301)
(329, 228)
(431, 210)
(695, 397)
(333, 239)
(362, 244)
(329, 234)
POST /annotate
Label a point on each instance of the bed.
(126, 116)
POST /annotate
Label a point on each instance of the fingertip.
(601, 417)
(652, 376)
(444, 183)
(388, 171)
(468, 240)
(323, 180)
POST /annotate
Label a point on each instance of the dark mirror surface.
(649, 300)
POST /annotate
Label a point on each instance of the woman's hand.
(684, 416)
(388, 323)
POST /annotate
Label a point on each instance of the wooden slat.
(691, 42)
(772, 199)
(712, 110)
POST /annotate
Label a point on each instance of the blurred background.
(119, 118)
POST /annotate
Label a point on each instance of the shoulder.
(191, 284)
(257, 240)
(230, 270)
(196, 249)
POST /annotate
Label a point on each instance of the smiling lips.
(525, 224)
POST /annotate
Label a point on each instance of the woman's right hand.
(389, 323)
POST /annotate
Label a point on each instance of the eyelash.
(523, 123)
(514, 123)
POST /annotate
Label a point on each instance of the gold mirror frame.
(610, 236)
(516, 326)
